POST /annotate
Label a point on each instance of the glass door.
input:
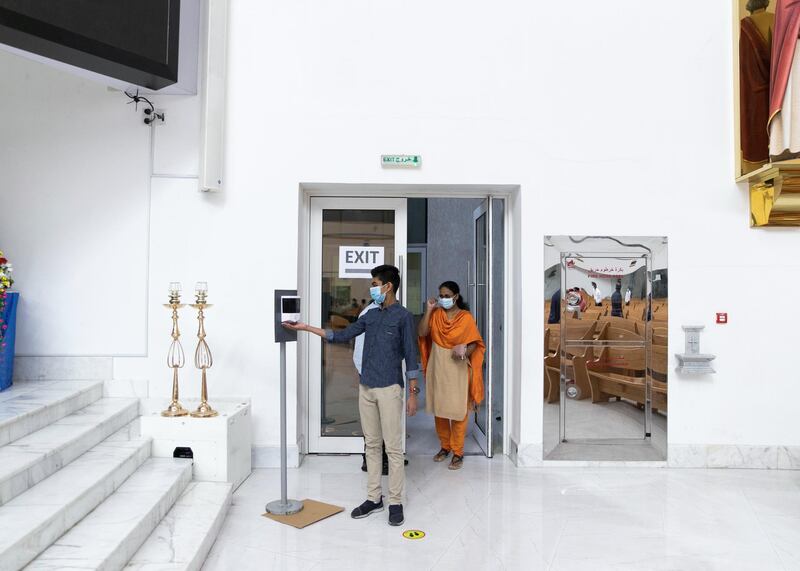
(349, 236)
(479, 281)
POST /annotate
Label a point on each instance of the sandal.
(456, 462)
(441, 455)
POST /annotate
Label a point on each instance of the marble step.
(184, 537)
(31, 405)
(114, 531)
(33, 520)
(32, 458)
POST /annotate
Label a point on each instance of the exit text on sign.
(357, 261)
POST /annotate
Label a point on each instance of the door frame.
(346, 444)
(509, 193)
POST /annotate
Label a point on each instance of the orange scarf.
(462, 330)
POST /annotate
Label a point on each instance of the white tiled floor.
(491, 515)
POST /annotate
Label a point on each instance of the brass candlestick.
(202, 355)
(175, 357)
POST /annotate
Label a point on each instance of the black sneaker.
(396, 515)
(367, 508)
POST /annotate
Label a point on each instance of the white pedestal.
(221, 445)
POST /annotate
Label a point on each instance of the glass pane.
(342, 301)
(481, 285)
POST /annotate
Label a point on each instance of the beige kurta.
(446, 384)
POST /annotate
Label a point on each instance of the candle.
(174, 288)
(201, 287)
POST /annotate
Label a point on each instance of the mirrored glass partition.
(605, 348)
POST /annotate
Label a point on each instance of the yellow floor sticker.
(413, 534)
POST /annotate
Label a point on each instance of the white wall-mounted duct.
(213, 64)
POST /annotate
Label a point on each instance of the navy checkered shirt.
(390, 337)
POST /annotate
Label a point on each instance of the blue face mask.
(376, 295)
(446, 302)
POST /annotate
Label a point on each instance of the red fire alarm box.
(722, 318)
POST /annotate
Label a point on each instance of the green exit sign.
(406, 161)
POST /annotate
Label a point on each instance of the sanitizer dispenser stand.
(284, 506)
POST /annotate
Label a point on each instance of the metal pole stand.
(283, 506)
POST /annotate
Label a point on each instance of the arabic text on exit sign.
(401, 161)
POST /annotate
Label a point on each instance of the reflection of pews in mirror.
(552, 373)
(616, 332)
(621, 323)
(620, 372)
(659, 363)
(617, 372)
(589, 315)
(593, 371)
(578, 331)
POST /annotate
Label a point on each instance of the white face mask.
(446, 302)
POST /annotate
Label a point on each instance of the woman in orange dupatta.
(452, 357)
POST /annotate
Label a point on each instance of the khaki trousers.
(381, 411)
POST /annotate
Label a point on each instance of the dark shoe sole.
(401, 522)
(376, 510)
(458, 466)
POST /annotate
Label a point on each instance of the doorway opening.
(431, 238)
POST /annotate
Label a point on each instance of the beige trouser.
(381, 412)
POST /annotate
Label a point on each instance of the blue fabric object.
(9, 317)
(390, 338)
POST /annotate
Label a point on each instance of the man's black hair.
(388, 274)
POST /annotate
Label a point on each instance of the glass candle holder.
(201, 292)
(174, 292)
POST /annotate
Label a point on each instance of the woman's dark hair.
(453, 286)
(753, 5)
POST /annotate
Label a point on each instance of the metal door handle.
(402, 280)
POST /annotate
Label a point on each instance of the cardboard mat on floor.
(312, 512)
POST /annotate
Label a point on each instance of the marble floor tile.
(492, 515)
(783, 532)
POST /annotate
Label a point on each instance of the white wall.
(73, 212)
(632, 105)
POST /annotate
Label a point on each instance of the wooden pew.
(552, 375)
(659, 340)
(579, 330)
(608, 378)
(659, 360)
(620, 323)
(611, 332)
